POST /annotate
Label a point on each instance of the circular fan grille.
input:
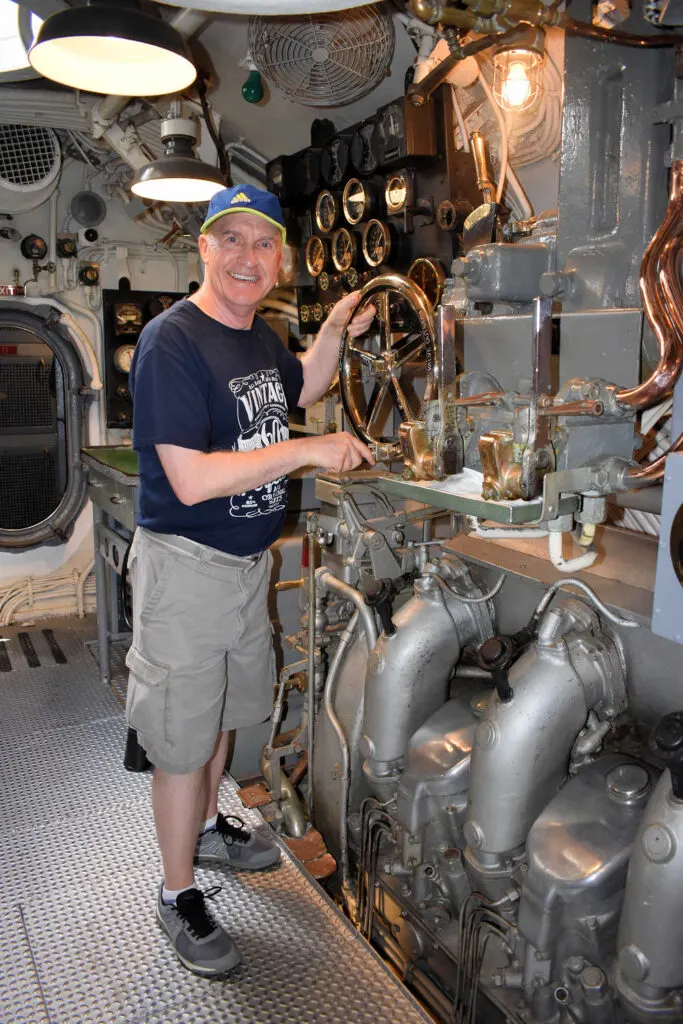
(325, 61)
(29, 156)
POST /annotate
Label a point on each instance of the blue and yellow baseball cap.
(245, 199)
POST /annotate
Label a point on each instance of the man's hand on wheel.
(337, 453)
(341, 311)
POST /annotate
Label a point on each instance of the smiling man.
(212, 385)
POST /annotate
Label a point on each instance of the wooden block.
(255, 795)
(322, 867)
(309, 847)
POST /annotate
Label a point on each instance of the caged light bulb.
(516, 81)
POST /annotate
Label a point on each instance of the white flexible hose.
(568, 564)
(68, 320)
(457, 109)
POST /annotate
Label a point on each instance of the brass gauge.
(376, 243)
(344, 250)
(352, 278)
(397, 192)
(128, 317)
(324, 281)
(315, 255)
(305, 314)
(429, 275)
(123, 357)
(356, 201)
(317, 313)
(326, 211)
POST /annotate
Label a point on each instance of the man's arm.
(197, 476)
(320, 362)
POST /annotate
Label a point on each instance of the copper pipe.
(659, 271)
(612, 35)
(643, 476)
(481, 166)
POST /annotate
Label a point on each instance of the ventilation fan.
(327, 60)
(30, 161)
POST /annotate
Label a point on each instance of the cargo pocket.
(146, 699)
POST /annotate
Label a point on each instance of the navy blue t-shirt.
(199, 384)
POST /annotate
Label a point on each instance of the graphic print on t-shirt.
(262, 416)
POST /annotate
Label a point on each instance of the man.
(212, 384)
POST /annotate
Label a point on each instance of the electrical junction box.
(667, 615)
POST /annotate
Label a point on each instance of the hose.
(547, 598)
(568, 564)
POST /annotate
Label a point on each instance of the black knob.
(496, 655)
(380, 595)
(667, 743)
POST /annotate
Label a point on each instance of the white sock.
(210, 823)
(169, 896)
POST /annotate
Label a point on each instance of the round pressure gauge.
(343, 250)
(352, 278)
(307, 172)
(123, 357)
(363, 155)
(357, 201)
(315, 255)
(326, 211)
(376, 243)
(429, 275)
(334, 161)
(129, 317)
(324, 281)
(396, 193)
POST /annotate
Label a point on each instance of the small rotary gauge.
(128, 318)
(376, 243)
(446, 215)
(327, 308)
(429, 275)
(305, 314)
(33, 247)
(397, 193)
(363, 155)
(356, 201)
(343, 250)
(352, 278)
(334, 161)
(326, 211)
(317, 313)
(123, 357)
(315, 255)
(324, 281)
(307, 172)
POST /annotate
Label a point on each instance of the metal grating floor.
(79, 868)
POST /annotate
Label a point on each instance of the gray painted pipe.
(326, 581)
(649, 499)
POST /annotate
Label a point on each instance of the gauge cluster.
(389, 193)
(125, 313)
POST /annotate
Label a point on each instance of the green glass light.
(252, 90)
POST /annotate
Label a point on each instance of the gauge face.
(123, 357)
(343, 250)
(307, 172)
(324, 281)
(356, 201)
(390, 131)
(445, 215)
(396, 193)
(128, 318)
(429, 275)
(363, 156)
(334, 162)
(315, 255)
(326, 211)
(317, 313)
(352, 278)
(376, 243)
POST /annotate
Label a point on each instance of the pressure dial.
(123, 357)
(376, 243)
(128, 317)
(326, 211)
(357, 201)
(429, 275)
(33, 247)
(324, 281)
(344, 250)
(351, 277)
(316, 255)
(397, 193)
(363, 155)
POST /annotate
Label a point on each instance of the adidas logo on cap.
(240, 198)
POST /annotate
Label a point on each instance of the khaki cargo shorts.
(202, 656)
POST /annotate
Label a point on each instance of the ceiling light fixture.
(115, 50)
(178, 176)
(517, 71)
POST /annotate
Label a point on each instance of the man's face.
(242, 253)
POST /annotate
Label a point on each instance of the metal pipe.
(612, 35)
(419, 92)
(481, 164)
(326, 581)
(328, 698)
(311, 660)
(659, 270)
(653, 472)
(643, 501)
(590, 594)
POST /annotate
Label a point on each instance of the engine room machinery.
(496, 756)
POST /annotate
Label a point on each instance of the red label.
(8, 350)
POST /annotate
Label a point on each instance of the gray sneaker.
(200, 944)
(231, 844)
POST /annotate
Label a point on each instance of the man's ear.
(204, 246)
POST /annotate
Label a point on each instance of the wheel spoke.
(408, 347)
(369, 359)
(401, 400)
(375, 402)
(383, 315)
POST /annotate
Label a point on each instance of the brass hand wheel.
(376, 370)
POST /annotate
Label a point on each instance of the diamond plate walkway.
(79, 868)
